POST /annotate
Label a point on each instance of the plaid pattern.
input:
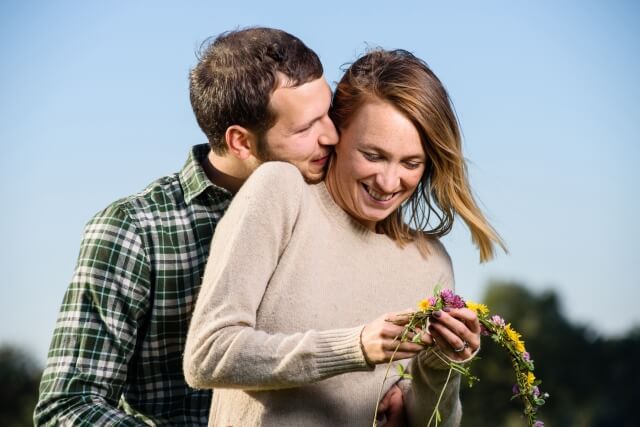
(116, 353)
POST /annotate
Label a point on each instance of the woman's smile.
(376, 196)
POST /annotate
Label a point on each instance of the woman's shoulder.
(273, 178)
(435, 258)
(277, 172)
(430, 246)
(438, 247)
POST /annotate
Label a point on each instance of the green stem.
(435, 410)
(384, 380)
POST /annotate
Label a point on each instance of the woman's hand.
(456, 331)
(380, 338)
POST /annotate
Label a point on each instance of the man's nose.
(329, 134)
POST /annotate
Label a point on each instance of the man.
(116, 354)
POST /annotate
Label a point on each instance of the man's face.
(303, 134)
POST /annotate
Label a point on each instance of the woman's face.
(378, 163)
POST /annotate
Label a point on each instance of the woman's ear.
(240, 141)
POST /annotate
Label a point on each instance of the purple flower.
(451, 300)
(484, 331)
(526, 356)
(498, 321)
(446, 294)
(515, 390)
(538, 423)
(432, 301)
(536, 391)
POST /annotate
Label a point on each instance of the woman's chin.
(370, 219)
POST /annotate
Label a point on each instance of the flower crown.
(501, 332)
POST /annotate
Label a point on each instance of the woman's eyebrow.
(381, 150)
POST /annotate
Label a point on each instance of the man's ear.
(240, 141)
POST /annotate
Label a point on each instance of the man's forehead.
(294, 104)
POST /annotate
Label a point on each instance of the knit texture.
(290, 283)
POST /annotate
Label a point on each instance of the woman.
(282, 325)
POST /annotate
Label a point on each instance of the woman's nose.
(388, 179)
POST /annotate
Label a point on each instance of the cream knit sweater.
(290, 282)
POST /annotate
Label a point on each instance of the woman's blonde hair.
(407, 83)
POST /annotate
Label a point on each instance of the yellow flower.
(424, 304)
(514, 337)
(519, 346)
(511, 333)
(480, 309)
(530, 378)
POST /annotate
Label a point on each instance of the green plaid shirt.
(116, 353)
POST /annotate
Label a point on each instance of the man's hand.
(391, 408)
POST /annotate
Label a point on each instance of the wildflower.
(530, 378)
(515, 390)
(526, 356)
(538, 423)
(450, 299)
(498, 321)
(514, 337)
(424, 304)
(446, 295)
(535, 391)
(479, 309)
(512, 334)
(484, 331)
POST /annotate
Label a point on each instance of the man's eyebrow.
(308, 123)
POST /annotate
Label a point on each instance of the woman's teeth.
(378, 196)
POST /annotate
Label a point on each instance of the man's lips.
(321, 160)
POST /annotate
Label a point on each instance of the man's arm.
(96, 331)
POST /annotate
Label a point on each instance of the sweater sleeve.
(430, 375)
(224, 349)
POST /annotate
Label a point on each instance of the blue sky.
(95, 106)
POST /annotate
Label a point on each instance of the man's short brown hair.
(236, 75)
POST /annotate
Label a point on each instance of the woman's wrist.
(364, 352)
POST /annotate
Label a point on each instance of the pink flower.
(451, 300)
(536, 391)
(446, 294)
(432, 301)
(498, 321)
(484, 331)
(538, 423)
(526, 356)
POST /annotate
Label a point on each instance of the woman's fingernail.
(447, 309)
(437, 314)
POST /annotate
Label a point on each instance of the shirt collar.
(193, 178)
